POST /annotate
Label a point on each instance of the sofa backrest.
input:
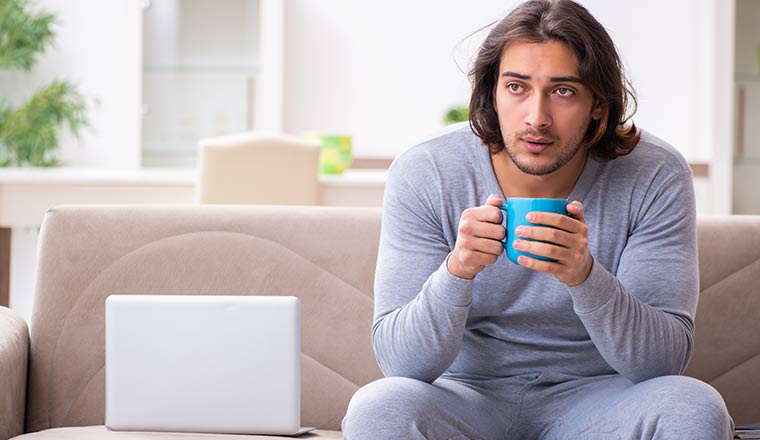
(326, 256)
(727, 332)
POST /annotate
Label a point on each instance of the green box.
(336, 152)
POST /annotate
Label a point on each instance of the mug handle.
(504, 223)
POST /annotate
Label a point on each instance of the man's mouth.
(536, 145)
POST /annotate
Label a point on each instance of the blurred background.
(150, 78)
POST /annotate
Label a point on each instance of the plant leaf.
(29, 135)
(24, 33)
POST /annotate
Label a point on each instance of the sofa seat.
(103, 433)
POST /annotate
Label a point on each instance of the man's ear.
(599, 110)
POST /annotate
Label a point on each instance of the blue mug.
(516, 209)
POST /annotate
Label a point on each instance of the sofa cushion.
(325, 256)
(103, 433)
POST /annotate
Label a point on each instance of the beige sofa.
(51, 385)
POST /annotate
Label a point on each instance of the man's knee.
(390, 404)
(687, 395)
(688, 405)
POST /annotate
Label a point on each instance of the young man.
(589, 346)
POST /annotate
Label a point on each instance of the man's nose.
(538, 115)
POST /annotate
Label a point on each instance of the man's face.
(543, 108)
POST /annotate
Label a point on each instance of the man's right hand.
(478, 239)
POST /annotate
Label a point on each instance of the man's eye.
(514, 88)
(564, 91)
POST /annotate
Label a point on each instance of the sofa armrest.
(14, 352)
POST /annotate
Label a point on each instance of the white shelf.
(26, 193)
(199, 68)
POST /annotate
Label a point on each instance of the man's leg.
(668, 407)
(403, 408)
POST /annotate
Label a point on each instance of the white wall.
(23, 267)
(714, 111)
(660, 46)
(267, 110)
(385, 72)
(97, 47)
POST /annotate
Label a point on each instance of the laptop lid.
(194, 363)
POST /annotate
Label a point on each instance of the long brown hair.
(540, 21)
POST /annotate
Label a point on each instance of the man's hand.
(478, 239)
(568, 244)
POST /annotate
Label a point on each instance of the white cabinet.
(207, 70)
(746, 198)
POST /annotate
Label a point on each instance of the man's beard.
(566, 154)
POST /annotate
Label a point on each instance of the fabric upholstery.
(727, 346)
(326, 256)
(14, 351)
(87, 253)
(257, 168)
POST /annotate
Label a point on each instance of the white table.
(26, 193)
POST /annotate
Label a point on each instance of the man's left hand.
(568, 244)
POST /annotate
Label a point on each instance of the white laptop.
(215, 364)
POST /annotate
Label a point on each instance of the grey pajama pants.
(536, 407)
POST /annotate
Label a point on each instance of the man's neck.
(516, 183)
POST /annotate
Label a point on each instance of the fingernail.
(530, 217)
(520, 231)
(517, 244)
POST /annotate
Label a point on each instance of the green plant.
(29, 133)
(456, 114)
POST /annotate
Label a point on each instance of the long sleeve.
(642, 320)
(420, 308)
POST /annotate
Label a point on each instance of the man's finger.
(494, 200)
(490, 212)
(575, 209)
(565, 222)
(490, 231)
